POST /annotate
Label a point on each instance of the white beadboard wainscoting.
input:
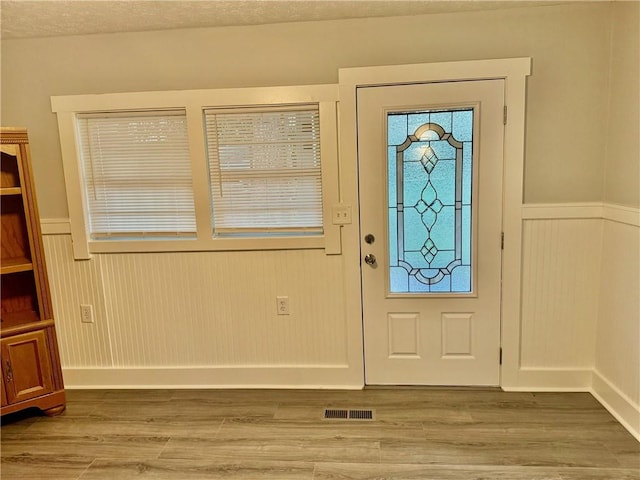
(200, 318)
(560, 272)
(560, 269)
(580, 318)
(208, 319)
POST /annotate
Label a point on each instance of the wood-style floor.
(446, 434)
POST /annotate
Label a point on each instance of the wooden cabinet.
(31, 373)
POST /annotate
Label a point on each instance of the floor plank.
(339, 471)
(86, 444)
(275, 448)
(600, 474)
(44, 467)
(121, 469)
(142, 426)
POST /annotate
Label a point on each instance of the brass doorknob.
(370, 259)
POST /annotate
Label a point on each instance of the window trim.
(194, 102)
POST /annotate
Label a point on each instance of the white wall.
(622, 165)
(569, 45)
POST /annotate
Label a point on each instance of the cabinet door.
(26, 366)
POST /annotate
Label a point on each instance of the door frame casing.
(514, 71)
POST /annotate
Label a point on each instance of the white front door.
(430, 159)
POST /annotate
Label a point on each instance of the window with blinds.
(264, 166)
(137, 174)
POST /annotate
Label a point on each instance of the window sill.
(215, 244)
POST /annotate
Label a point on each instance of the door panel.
(430, 171)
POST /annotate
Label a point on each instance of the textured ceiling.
(44, 18)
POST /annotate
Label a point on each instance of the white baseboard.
(300, 377)
(532, 379)
(320, 377)
(625, 410)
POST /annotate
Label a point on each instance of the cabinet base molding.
(52, 404)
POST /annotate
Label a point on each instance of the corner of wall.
(616, 374)
(624, 409)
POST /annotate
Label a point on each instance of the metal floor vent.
(347, 414)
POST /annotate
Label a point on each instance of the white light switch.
(341, 214)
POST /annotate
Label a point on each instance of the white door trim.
(514, 71)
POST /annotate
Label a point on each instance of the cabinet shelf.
(19, 318)
(15, 265)
(10, 191)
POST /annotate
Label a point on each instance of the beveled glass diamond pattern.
(421, 206)
(429, 159)
(429, 250)
(436, 205)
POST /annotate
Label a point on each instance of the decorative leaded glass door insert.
(430, 165)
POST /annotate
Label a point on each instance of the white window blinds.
(264, 167)
(137, 174)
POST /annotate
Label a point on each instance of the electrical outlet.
(86, 313)
(282, 304)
